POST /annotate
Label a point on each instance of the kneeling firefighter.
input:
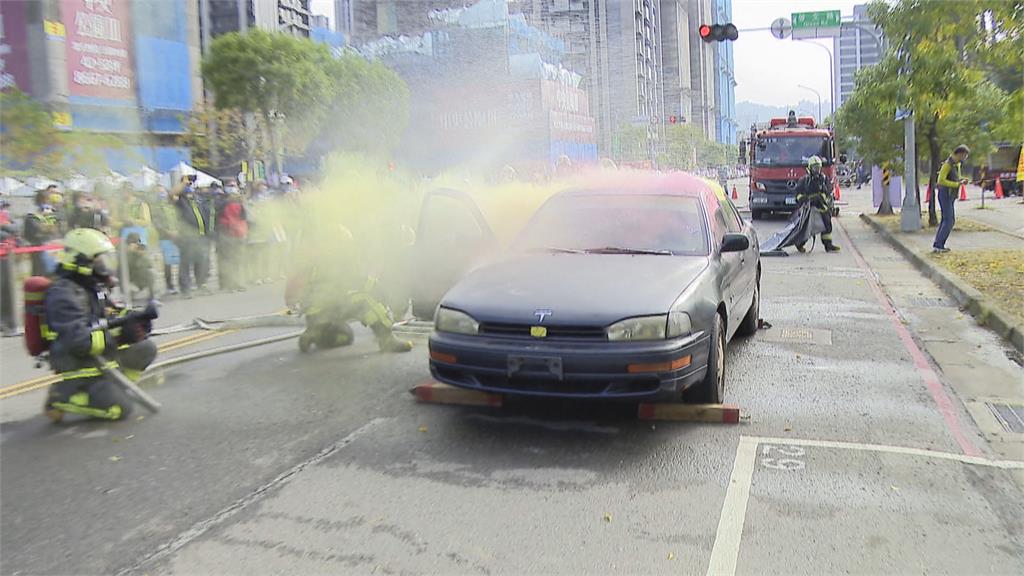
(813, 188)
(90, 335)
(333, 295)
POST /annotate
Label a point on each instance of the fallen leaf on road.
(129, 437)
(423, 429)
(114, 458)
(607, 517)
(894, 488)
(671, 556)
(140, 418)
(788, 428)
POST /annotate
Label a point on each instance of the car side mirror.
(734, 242)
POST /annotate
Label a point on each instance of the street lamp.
(816, 93)
(831, 72)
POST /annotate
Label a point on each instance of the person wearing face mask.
(87, 213)
(86, 327)
(194, 230)
(232, 233)
(41, 228)
(165, 220)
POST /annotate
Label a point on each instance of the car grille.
(523, 330)
(778, 187)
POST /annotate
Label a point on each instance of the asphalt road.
(850, 458)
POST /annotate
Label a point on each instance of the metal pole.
(8, 284)
(910, 214)
(831, 73)
(816, 93)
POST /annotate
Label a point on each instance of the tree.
(940, 51)
(370, 111)
(232, 139)
(278, 76)
(28, 137)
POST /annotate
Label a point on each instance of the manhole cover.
(928, 301)
(1010, 417)
(799, 335)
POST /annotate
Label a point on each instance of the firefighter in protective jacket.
(815, 190)
(80, 319)
(336, 292)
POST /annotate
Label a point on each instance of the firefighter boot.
(334, 335)
(800, 248)
(830, 247)
(387, 341)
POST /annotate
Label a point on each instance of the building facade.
(855, 48)
(289, 16)
(123, 67)
(703, 100)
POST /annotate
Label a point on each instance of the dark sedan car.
(627, 290)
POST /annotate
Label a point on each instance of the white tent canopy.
(202, 178)
(9, 185)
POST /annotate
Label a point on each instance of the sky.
(767, 70)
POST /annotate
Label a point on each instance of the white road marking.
(976, 460)
(726, 550)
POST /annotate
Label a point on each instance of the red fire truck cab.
(778, 152)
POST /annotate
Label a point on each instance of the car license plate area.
(543, 366)
(790, 201)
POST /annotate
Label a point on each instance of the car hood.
(578, 289)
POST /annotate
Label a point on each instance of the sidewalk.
(1006, 215)
(984, 272)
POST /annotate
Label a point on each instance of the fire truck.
(778, 152)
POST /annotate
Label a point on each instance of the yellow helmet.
(85, 250)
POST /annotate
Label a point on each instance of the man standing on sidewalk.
(193, 241)
(949, 182)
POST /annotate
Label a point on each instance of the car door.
(729, 262)
(452, 236)
(747, 275)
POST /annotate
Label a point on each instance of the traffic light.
(718, 32)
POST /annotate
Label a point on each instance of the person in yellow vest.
(41, 228)
(950, 179)
(194, 230)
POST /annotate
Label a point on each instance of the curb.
(985, 312)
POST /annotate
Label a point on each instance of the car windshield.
(617, 224)
(791, 151)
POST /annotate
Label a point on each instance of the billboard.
(99, 49)
(14, 65)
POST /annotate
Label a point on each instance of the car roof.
(641, 183)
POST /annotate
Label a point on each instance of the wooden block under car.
(722, 413)
(438, 393)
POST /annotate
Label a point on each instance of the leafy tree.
(940, 51)
(28, 137)
(370, 108)
(232, 140)
(272, 75)
(629, 144)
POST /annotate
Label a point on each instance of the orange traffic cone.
(963, 192)
(928, 194)
(735, 196)
(837, 192)
(999, 189)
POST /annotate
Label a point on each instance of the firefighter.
(337, 294)
(80, 321)
(814, 189)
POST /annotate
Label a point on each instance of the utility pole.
(910, 213)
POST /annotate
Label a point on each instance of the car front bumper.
(569, 368)
(774, 202)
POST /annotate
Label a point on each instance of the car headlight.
(642, 328)
(678, 325)
(449, 320)
(759, 185)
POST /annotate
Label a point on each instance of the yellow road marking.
(48, 379)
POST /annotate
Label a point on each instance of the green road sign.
(822, 19)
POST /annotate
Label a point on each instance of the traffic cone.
(963, 192)
(928, 194)
(999, 189)
(837, 192)
(735, 196)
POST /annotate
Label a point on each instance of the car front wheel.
(712, 389)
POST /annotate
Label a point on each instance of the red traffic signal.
(718, 32)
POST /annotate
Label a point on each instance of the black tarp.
(803, 225)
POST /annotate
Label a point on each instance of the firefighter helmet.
(87, 252)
